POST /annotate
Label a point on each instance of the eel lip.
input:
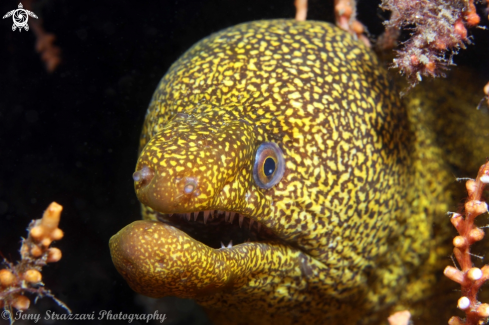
(152, 256)
(158, 260)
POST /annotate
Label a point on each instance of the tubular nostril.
(145, 174)
(190, 186)
(137, 176)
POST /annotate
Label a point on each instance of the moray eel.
(283, 181)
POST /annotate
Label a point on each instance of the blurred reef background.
(71, 136)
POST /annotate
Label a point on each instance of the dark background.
(72, 136)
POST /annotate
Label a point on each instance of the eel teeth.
(230, 245)
(206, 215)
(212, 214)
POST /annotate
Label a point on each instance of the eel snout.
(144, 175)
(204, 162)
(159, 189)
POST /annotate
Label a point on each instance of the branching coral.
(301, 10)
(469, 277)
(439, 29)
(345, 14)
(400, 318)
(25, 276)
(50, 53)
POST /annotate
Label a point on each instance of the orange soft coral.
(439, 29)
(25, 276)
(469, 277)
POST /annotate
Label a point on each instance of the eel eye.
(269, 165)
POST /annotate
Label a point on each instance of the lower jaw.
(157, 260)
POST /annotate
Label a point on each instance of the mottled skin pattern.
(352, 219)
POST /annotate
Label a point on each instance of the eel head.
(272, 189)
(211, 184)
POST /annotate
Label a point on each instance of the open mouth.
(218, 229)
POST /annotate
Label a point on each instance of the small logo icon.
(20, 17)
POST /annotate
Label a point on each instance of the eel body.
(283, 183)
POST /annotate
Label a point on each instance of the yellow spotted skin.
(354, 211)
